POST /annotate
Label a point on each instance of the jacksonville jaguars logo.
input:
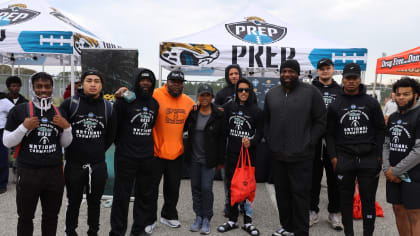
(255, 30)
(15, 14)
(188, 54)
(82, 42)
(90, 115)
(44, 120)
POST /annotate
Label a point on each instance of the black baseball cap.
(205, 88)
(324, 62)
(351, 69)
(176, 75)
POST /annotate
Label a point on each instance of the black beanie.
(292, 64)
(92, 72)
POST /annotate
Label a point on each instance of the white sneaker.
(313, 218)
(170, 223)
(335, 221)
(149, 229)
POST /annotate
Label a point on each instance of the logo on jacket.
(188, 54)
(145, 109)
(353, 107)
(255, 30)
(15, 14)
(44, 120)
(90, 115)
(175, 116)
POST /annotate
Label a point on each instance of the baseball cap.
(176, 75)
(324, 62)
(351, 69)
(205, 88)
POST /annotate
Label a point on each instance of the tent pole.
(13, 69)
(160, 76)
(374, 84)
(72, 75)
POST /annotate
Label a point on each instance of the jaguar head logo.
(188, 54)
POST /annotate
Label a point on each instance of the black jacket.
(355, 125)
(227, 94)
(93, 133)
(214, 135)
(294, 121)
(135, 123)
(329, 92)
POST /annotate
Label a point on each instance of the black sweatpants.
(144, 174)
(77, 183)
(46, 184)
(322, 161)
(292, 182)
(366, 170)
(172, 171)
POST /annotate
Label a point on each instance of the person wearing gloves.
(134, 161)
(355, 135)
(244, 124)
(205, 150)
(401, 156)
(40, 131)
(93, 126)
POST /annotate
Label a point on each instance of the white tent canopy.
(32, 33)
(258, 42)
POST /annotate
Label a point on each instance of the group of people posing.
(306, 127)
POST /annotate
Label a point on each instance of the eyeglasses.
(246, 90)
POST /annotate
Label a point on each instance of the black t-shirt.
(40, 147)
(135, 124)
(403, 130)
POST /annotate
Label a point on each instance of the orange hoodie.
(169, 126)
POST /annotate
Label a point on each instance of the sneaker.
(282, 232)
(195, 227)
(335, 221)
(313, 218)
(205, 228)
(170, 223)
(149, 229)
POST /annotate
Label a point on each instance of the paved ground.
(265, 214)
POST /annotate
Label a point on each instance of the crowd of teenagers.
(307, 128)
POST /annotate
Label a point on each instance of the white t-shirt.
(390, 107)
(5, 106)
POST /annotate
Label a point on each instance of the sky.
(381, 26)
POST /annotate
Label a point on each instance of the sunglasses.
(240, 90)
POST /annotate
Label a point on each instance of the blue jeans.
(4, 163)
(202, 189)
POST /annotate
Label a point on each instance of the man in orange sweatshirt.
(174, 108)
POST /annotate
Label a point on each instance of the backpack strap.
(74, 105)
(56, 110)
(108, 110)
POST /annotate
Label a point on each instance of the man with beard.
(93, 125)
(329, 90)
(355, 135)
(134, 159)
(40, 131)
(295, 120)
(174, 108)
(401, 157)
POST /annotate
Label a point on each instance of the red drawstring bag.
(357, 206)
(243, 183)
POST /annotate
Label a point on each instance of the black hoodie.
(329, 92)
(135, 122)
(93, 133)
(355, 125)
(228, 94)
(243, 121)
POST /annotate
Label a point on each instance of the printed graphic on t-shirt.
(354, 121)
(88, 126)
(143, 120)
(42, 137)
(400, 136)
(328, 98)
(175, 116)
(240, 126)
